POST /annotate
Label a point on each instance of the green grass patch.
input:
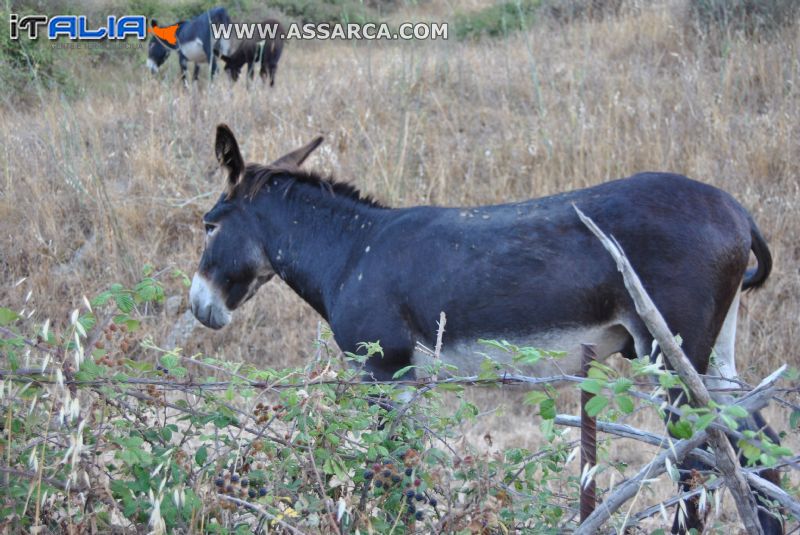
(498, 20)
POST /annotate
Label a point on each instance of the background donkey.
(528, 272)
(249, 51)
(195, 42)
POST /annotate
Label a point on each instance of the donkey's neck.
(311, 234)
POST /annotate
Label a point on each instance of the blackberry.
(378, 483)
(409, 471)
(245, 482)
(262, 491)
(410, 493)
(420, 515)
(387, 473)
(252, 493)
(420, 497)
(235, 478)
(219, 482)
(434, 502)
(368, 474)
(412, 509)
(396, 478)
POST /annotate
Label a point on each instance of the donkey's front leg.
(250, 70)
(213, 66)
(184, 63)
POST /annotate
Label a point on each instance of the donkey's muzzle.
(208, 306)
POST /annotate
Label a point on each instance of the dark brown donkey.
(527, 272)
(264, 44)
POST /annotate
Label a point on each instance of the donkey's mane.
(256, 176)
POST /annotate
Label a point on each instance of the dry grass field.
(94, 186)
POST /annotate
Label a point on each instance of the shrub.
(496, 20)
(101, 427)
(326, 11)
(138, 435)
(28, 67)
(569, 10)
(749, 16)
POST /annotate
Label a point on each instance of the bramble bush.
(103, 429)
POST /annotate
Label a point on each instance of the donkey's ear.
(298, 156)
(228, 154)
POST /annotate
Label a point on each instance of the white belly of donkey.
(193, 50)
(468, 355)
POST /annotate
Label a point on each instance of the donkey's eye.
(210, 228)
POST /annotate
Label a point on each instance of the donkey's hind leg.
(722, 368)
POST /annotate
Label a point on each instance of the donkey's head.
(157, 51)
(232, 68)
(234, 264)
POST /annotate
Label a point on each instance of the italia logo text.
(77, 27)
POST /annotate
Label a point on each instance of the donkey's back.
(531, 272)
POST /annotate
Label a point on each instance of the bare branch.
(261, 512)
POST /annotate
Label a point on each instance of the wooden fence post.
(588, 439)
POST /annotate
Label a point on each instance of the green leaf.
(593, 386)
(595, 405)
(535, 397)
(736, 411)
(372, 348)
(149, 290)
(794, 419)
(528, 355)
(623, 384)
(101, 299)
(87, 321)
(750, 451)
(169, 361)
(680, 429)
(13, 360)
(124, 302)
(624, 403)
(7, 316)
(201, 456)
(730, 422)
(501, 345)
(185, 280)
(704, 421)
(597, 373)
(402, 371)
(547, 409)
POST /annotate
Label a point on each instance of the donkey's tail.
(755, 277)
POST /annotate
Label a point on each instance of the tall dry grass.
(93, 188)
